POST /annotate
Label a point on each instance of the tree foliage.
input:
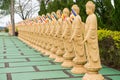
(42, 8)
(5, 4)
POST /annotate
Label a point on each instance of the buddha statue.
(76, 39)
(46, 34)
(60, 50)
(52, 33)
(67, 28)
(93, 64)
(43, 29)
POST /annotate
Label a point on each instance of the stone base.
(78, 69)
(47, 53)
(67, 64)
(93, 76)
(53, 56)
(59, 59)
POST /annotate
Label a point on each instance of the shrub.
(6, 29)
(109, 43)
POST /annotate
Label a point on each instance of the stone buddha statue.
(52, 34)
(67, 28)
(48, 24)
(43, 29)
(93, 64)
(60, 50)
(77, 39)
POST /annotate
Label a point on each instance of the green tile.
(68, 79)
(107, 71)
(117, 77)
(29, 63)
(9, 54)
(1, 57)
(31, 54)
(12, 52)
(39, 59)
(1, 64)
(12, 60)
(50, 67)
(74, 74)
(25, 56)
(39, 75)
(16, 69)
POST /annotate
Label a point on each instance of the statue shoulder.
(78, 18)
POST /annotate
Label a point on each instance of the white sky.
(6, 19)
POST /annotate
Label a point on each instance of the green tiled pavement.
(21, 62)
(1, 64)
(12, 60)
(50, 67)
(115, 77)
(39, 75)
(109, 71)
(29, 63)
(24, 56)
(16, 69)
(3, 77)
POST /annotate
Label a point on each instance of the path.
(21, 62)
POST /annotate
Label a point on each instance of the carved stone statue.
(60, 50)
(52, 34)
(48, 37)
(77, 38)
(93, 64)
(68, 55)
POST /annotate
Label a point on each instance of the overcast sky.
(6, 20)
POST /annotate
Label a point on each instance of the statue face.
(65, 13)
(58, 15)
(88, 10)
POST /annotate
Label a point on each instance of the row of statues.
(67, 39)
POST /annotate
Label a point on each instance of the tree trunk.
(12, 17)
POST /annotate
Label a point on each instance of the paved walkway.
(21, 62)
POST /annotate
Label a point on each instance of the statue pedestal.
(53, 51)
(78, 69)
(59, 59)
(47, 53)
(93, 76)
(59, 54)
(67, 64)
(53, 56)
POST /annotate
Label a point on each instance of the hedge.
(109, 44)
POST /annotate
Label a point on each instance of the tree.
(12, 17)
(25, 9)
(53, 6)
(42, 8)
(4, 6)
(116, 15)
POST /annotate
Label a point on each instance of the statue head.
(76, 8)
(66, 12)
(59, 13)
(53, 16)
(48, 16)
(90, 7)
